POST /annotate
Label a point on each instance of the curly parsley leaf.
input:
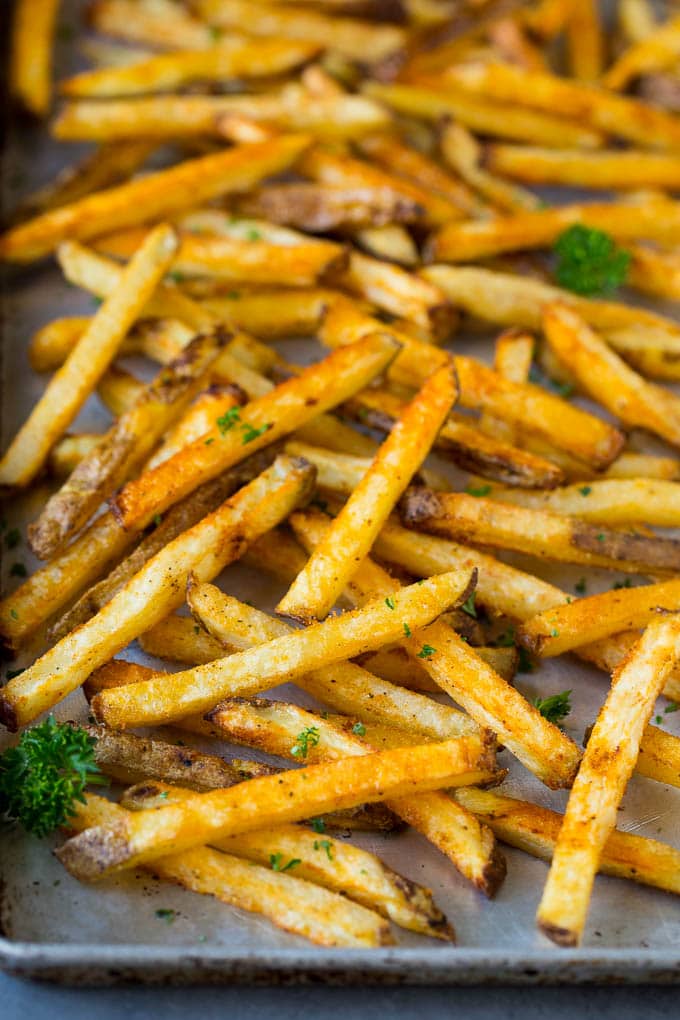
(309, 737)
(589, 261)
(555, 708)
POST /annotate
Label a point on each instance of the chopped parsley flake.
(479, 490)
(469, 606)
(555, 708)
(389, 602)
(426, 652)
(309, 737)
(324, 844)
(276, 860)
(359, 729)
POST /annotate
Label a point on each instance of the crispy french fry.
(620, 116)
(601, 372)
(156, 589)
(464, 154)
(262, 421)
(396, 665)
(70, 387)
(588, 619)
(607, 765)
(51, 344)
(125, 447)
(152, 197)
(483, 116)
(232, 58)
(659, 756)
(272, 800)
(536, 532)
(198, 420)
(536, 829)
(585, 42)
(316, 209)
(69, 451)
(453, 665)
(258, 261)
(527, 406)
(656, 52)
(513, 355)
(273, 313)
(615, 501)
(31, 54)
(293, 904)
(160, 24)
(391, 242)
(347, 36)
(119, 390)
(179, 639)
(613, 169)
(277, 553)
(316, 589)
(656, 273)
(632, 466)
(337, 638)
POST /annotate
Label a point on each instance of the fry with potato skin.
(271, 800)
(337, 638)
(156, 589)
(285, 409)
(138, 21)
(318, 208)
(152, 197)
(316, 589)
(69, 388)
(607, 765)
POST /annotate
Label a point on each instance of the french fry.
(292, 904)
(611, 169)
(527, 406)
(198, 420)
(31, 54)
(337, 638)
(159, 24)
(600, 371)
(631, 465)
(275, 313)
(119, 390)
(277, 553)
(659, 756)
(258, 261)
(315, 208)
(616, 501)
(126, 446)
(607, 765)
(179, 639)
(513, 355)
(232, 58)
(483, 116)
(347, 36)
(152, 197)
(536, 532)
(391, 242)
(486, 697)
(656, 52)
(536, 830)
(156, 590)
(395, 665)
(187, 116)
(51, 344)
(585, 42)
(338, 866)
(69, 451)
(70, 387)
(656, 273)
(261, 422)
(464, 154)
(621, 116)
(315, 590)
(589, 619)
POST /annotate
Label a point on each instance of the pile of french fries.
(363, 173)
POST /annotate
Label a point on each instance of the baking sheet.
(55, 928)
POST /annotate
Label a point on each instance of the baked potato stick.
(461, 150)
(338, 866)
(633, 466)
(481, 389)
(261, 422)
(659, 756)
(585, 40)
(125, 447)
(178, 639)
(259, 261)
(168, 72)
(70, 387)
(274, 800)
(483, 116)
(157, 589)
(656, 52)
(601, 373)
(612, 169)
(513, 356)
(347, 36)
(453, 665)
(607, 765)
(293, 904)
(316, 589)
(620, 116)
(538, 533)
(318, 208)
(152, 197)
(66, 455)
(616, 502)
(30, 69)
(160, 24)
(337, 638)
(588, 619)
(536, 829)
(656, 273)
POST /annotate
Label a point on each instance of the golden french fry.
(51, 344)
(513, 355)
(30, 69)
(656, 273)
(231, 58)
(659, 756)
(536, 830)
(179, 639)
(335, 639)
(601, 372)
(272, 800)
(483, 116)
(657, 51)
(156, 589)
(316, 589)
(607, 765)
(152, 197)
(155, 23)
(260, 423)
(69, 451)
(461, 151)
(615, 169)
(391, 243)
(585, 41)
(630, 465)
(70, 387)
(125, 447)
(316, 209)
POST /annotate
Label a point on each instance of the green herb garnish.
(407, 630)
(359, 729)
(555, 708)
(389, 602)
(469, 606)
(426, 652)
(479, 490)
(589, 261)
(580, 586)
(166, 914)
(309, 737)
(276, 862)
(324, 844)
(250, 432)
(227, 420)
(318, 824)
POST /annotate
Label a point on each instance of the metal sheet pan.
(53, 928)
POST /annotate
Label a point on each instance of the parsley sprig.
(309, 737)
(554, 708)
(589, 261)
(45, 774)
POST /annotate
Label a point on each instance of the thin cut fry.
(607, 765)
(585, 42)
(31, 53)
(461, 151)
(70, 387)
(615, 169)
(657, 51)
